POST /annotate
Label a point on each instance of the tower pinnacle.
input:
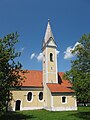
(48, 20)
(48, 33)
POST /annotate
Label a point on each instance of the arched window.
(29, 96)
(41, 96)
(51, 57)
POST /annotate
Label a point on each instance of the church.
(45, 89)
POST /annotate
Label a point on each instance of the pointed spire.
(48, 33)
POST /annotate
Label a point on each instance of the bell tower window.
(51, 57)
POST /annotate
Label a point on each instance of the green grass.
(83, 113)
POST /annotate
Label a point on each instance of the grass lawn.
(83, 113)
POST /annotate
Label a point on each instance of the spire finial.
(48, 20)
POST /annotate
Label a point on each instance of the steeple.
(49, 57)
(48, 33)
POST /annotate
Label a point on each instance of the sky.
(69, 20)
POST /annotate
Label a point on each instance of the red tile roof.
(65, 83)
(34, 78)
(55, 87)
(62, 86)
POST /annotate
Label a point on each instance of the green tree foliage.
(9, 69)
(79, 74)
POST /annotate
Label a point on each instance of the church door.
(17, 107)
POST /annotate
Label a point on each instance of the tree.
(79, 74)
(9, 69)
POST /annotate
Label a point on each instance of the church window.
(64, 100)
(51, 57)
(29, 96)
(41, 96)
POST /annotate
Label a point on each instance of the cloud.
(22, 49)
(32, 56)
(68, 52)
(40, 57)
(57, 52)
(37, 56)
(77, 43)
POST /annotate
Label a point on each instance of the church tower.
(49, 57)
